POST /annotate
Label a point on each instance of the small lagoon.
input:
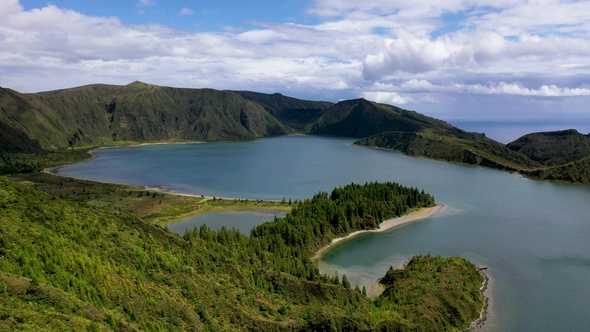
(242, 221)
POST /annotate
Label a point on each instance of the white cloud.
(501, 88)
(518, 89)
(406, 52)
(185, 12)
(385, 97)
(10, 7)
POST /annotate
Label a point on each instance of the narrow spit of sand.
(386, 225)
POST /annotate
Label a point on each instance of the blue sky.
(457, 60)
(184, 14)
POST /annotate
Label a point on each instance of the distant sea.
(509, 130)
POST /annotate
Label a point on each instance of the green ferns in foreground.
(66, 266)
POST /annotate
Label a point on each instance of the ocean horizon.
(506, 131)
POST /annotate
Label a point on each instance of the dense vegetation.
(553, 148)
(362, 118)
(18, 163)
(436, 297)
(107, 115)
(153, 206)
(295, 113)
(104, 115)
(575, 172)
(469, 148)
(65, 265)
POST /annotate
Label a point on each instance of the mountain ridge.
(554, 147)
(106, 115)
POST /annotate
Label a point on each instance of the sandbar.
(423, 213)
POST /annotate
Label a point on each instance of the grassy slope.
(576, 172)
(103, 114)
(68, 266)
(153, 207)
(432, 143)
(362, 118)
(565, 155)
(412, 133)
(99, 115)
(293, 112)
(553, 148)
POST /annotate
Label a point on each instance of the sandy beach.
(386, 225)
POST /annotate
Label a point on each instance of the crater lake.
(533, 236)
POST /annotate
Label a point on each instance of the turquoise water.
(532, 235)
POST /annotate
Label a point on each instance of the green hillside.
(293, 112)
(67, 266)
(467, 148)
(390, 127)
(553, 148)
(139, 112)
(575, 172)
(33, 125)
(362, 118)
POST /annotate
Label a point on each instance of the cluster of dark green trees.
(68, 266)
(314, 222)
(19, 163)
(9, 166)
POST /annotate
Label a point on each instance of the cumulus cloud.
(385, 97)
(406, 52)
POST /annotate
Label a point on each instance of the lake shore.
(483, 315)
(152, 187)
(423, 213)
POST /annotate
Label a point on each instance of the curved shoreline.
(150, 187)
(483, 314)
(423, 213)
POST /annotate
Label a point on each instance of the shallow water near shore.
(532, 235)
(243, 221)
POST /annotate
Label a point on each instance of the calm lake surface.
(533, 236)
(243, 221)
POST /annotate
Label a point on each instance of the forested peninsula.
(66, 265)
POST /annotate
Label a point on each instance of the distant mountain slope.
(24, 122)
(575, 172)
(143, 112)
(98, 114)
(414, 134)
(13, 140)
(108, 114)
(296, 113)
(435, 144)
(362, 118)
(553, 148)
